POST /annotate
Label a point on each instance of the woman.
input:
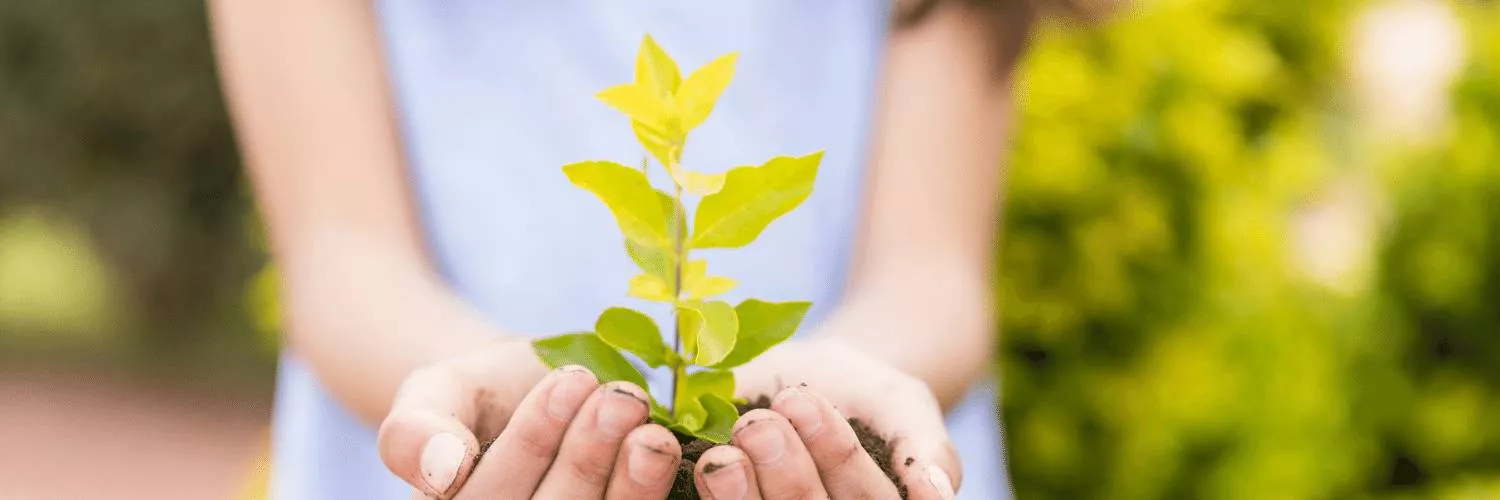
(406, 156)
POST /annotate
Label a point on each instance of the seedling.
(709, 337)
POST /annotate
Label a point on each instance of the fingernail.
(648, 466)
(573, 385)
(440, 460)
(764, 443)
(726, 481)
(799, 407)
(621, 412)
(940, 482)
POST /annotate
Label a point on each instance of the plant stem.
(679, 250)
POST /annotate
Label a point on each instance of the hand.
(556, 435)
(805, 448)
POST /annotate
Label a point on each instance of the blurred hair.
(911, 12)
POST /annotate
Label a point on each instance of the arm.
(927, 245)
(308, 93)
(916, 329)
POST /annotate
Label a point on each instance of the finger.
(593, 440)
(782, 465)
(725, 473)
(649, 460)
(924, 457)
(424, 439)
(847, 471)
(515, 463)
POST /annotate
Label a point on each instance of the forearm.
(307, 89)
(935, 324)
(920, 297)
(363, 318)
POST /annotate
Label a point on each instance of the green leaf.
(691, 412)
(762, 326)
(700, 183)
(655, 70)
(629, 195)
(691, 415)
(697, 284)
(709, 330)
(716, 382)
(588, 350)
(698, 94)
(660, 414)
(648, 287)
(753, 197)
(632, 331)
(719, 426)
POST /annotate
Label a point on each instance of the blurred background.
(1251, 250)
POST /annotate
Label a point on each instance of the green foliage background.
(1160, 338)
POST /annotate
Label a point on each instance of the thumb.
(425, 440)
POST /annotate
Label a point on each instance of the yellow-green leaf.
(753, 197)
(658, 262)
(709, 330)
(589, 351)
(649, 287)
(697, 284)
(690, 412)
(645, 108)
(700, 183)
(716, 382)
(676, 216)
(655, 70)
(657, 143)
(762, 325)
(660, 414)
(628, 194)
(629, 330)
(698, 94)
(719, 424)
(636, 102)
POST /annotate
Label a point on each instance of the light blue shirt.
(496, 96)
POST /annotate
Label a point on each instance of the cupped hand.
(555, 435)
(804, 446)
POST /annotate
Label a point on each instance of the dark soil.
(683, 487)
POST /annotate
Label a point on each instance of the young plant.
(709, 337)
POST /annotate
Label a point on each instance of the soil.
(876, 445)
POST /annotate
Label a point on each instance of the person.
(405, 157)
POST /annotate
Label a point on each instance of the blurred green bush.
(1164, 335)
(117, 164)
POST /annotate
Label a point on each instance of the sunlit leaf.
(655, 261)
(700, 183)
(649, 287)
(709, 330)
(698, 94)
(697, 284)
(632, 331)
(753, 197)
(762, 325)
(589, 351)
(642, 105)
(657, 143)
(655, 70)
(628, 194)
